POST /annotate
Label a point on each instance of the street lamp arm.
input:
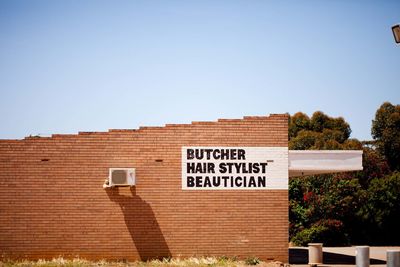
(396, 33)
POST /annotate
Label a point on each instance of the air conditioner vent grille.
(119, 177)
(122, 177)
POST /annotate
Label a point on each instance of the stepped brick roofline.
(143, 129)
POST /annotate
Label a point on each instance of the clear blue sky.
(69, 66)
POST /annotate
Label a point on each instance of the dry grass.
(175, 262)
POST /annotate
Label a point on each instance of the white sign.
(249, 168)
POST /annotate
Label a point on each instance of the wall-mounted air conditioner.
(121, 177)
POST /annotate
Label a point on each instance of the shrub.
(330, 232)
(252, 261)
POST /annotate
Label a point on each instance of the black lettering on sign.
(190, 181)
(263, 167)
(224, 153)
(232, 169)
(233, 153)
(199, 181)
(241, 154)
(190, 167)
(225, 178)
(262, 181)
(217, 154)
(238, 181)
(200, 167)
(190, 154)
(252, 182)
(222, 167)
(216, 181)
(211, 167)
(207, 182)
(256, 168)
(208, 153)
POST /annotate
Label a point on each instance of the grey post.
(362, 256)
(393, 258)
(314, 253)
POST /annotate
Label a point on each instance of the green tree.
(380, 212)
(322, 209)
(298, 122)
(321, 132)
(351, 207)
(374, 166)
(386, 132)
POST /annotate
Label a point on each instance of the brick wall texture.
(52, 202)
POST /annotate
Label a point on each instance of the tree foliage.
(319, 132)
(337, 210)
(386, 132)
(322, 209)
(347, 208)
(381, 210)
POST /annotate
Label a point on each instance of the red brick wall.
(52, 202)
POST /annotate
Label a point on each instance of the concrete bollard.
(362, 256)
(314, 253)
(393, 258)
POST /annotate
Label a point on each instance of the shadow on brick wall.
(142, 225)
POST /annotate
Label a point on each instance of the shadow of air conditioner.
(142, 225)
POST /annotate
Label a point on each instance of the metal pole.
(315, 253)
(393, 258)
(362, 256)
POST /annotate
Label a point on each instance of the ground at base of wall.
(191, 262)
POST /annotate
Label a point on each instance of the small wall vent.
(122, 177)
